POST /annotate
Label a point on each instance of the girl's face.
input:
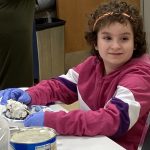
(115, 43)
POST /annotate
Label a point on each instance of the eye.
(124, 38)
(107, 38)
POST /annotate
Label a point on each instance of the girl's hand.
(35, 119)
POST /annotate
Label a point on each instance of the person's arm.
(120, 114)
(62, 88)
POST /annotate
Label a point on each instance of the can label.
(36, 138)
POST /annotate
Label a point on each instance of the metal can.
(33, 138)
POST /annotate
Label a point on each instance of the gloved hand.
(16, 94)
(35, 119)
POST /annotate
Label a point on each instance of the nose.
(115, 44)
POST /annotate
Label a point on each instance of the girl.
(112, 86)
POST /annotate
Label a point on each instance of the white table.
(84, 142)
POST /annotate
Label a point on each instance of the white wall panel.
(145, 5)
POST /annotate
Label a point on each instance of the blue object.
(35, 119)
(35, 55)
(33, 146)
(15, 94)
(38, 108)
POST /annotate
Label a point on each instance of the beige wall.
(75, 12)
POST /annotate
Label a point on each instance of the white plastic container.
(4, 133)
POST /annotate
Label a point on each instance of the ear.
(96, 48)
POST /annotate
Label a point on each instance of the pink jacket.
(115, 105)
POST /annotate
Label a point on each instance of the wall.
(75, 13)
(145, 4)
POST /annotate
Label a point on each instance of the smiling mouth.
(115, 53)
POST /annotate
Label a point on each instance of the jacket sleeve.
(62, 88)
(129, 103)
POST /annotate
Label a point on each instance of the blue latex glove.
(16, 94)
(35, 119)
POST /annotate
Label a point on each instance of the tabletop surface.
(86, 143)
(82, 142)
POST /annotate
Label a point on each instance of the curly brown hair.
(117, 11)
